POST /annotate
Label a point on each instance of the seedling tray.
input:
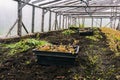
(88, 32)
(56, 58)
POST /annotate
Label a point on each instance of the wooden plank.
(33, 19)
(19, 31)
(25, 28)
(12, 28)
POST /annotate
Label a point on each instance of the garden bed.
(96, 60)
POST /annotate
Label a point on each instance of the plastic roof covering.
(53, 6)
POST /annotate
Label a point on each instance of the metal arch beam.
(73, 3)
(58, 3)
(49, 2)
(82, 6)
(26, 1)
(37, 1)
(34, 5)
(93, 16)
(79, 9)
(90, 12)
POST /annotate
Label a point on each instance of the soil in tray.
(57, 48)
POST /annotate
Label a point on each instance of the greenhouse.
(60, 39)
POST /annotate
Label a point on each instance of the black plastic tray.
(87, 33)
(56, 58)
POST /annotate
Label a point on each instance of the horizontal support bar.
(33, 5)
(70, 12)
(95, 16)
(82, 6)
(86, 13)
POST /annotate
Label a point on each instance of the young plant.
(24, 45)
(68, 32)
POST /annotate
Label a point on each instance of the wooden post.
(66, 23)
(50, 21)
(43, 15)
(55, 21)
(79, 22)
(111, 22)
(100, 22)
(92, 22)
(19, 31)
(63, 22)
(60, 21)
(33, 19)
(74, 21)
(83, 22)
(70, 20)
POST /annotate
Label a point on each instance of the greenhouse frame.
(59, 39)
(70, 11)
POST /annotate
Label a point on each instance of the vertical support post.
(60, 21)
(33, 19)
(83, 22)
(79, 22)
(55, 21)
(43, 15)
(50, 21)
(100, 22)
(92, 22)
(68, 22)
(63, 22)
(19, 31)
(118, 26)
(74, 21)
(111, 22)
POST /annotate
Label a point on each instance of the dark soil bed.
(95, 62)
